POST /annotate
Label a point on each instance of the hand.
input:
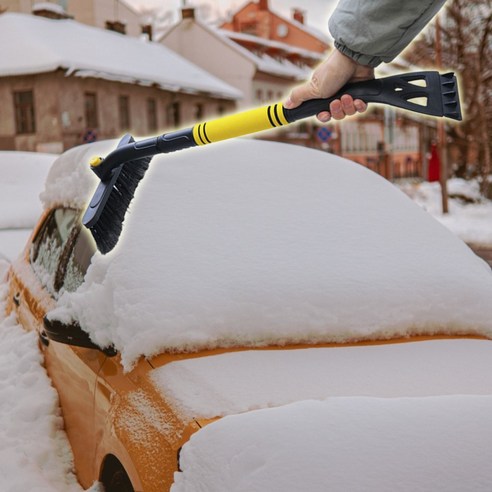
(326, 80)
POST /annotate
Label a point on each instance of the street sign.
(324, 134)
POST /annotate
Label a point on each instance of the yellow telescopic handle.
(239, 124)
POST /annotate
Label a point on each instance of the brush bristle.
(107, 229)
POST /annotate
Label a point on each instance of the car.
(258, 288)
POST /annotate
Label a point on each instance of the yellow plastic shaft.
(237, 125)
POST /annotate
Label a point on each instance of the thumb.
(302, 93)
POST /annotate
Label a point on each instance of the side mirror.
(72, 334)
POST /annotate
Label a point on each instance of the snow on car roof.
(250, 243)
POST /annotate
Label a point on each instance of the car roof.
(250, 243)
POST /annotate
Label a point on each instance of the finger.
(336, 110)
(348, 106)
(302, 93)
(360, 106)
(324, 116)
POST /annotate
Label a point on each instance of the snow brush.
(121, 171)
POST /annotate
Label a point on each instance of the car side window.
(51, 247)
(78, 261)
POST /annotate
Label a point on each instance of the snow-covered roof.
(250, 243)
(30, 44)
(266, 63)
(269, 43)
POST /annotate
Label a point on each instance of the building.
(62, 82)
(257, 19)
(116, 15)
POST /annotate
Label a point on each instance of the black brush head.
(106, 213)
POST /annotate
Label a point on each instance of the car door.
(55, 261)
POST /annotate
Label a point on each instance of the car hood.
(205, 387)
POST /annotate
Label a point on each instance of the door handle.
(16, 299)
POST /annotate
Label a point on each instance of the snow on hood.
(44, 45)
(236, 382)
(438, 444)
(249, 243)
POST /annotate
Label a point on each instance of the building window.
(259, 95)
(198, 112)
(124, 112)
(151, 114)
(174, 114)
(24, 112)
(90, 104)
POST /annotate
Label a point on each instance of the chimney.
(50, 11)
(298, 15)
(116, 26)
(187, 13)
(263, 5)
(147, 29)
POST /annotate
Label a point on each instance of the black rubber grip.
(437, 95)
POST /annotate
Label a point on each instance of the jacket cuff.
(360, 58)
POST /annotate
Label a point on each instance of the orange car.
(342, 326)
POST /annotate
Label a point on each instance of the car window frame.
(66, 251)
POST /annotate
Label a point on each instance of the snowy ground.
(470, 215)
(35, 454)
(34, 451)
(23, 175)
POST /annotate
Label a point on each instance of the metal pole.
(441, 131)
(389, 132)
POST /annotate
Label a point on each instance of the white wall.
(207, 50)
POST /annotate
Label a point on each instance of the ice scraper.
(120, 172)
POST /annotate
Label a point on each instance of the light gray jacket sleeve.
(375, 31)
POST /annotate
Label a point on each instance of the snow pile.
(470, 215)
(34, 451)
(23, 177)
(254, 243)
(236, 382)
(357, 444)
(70, 181)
